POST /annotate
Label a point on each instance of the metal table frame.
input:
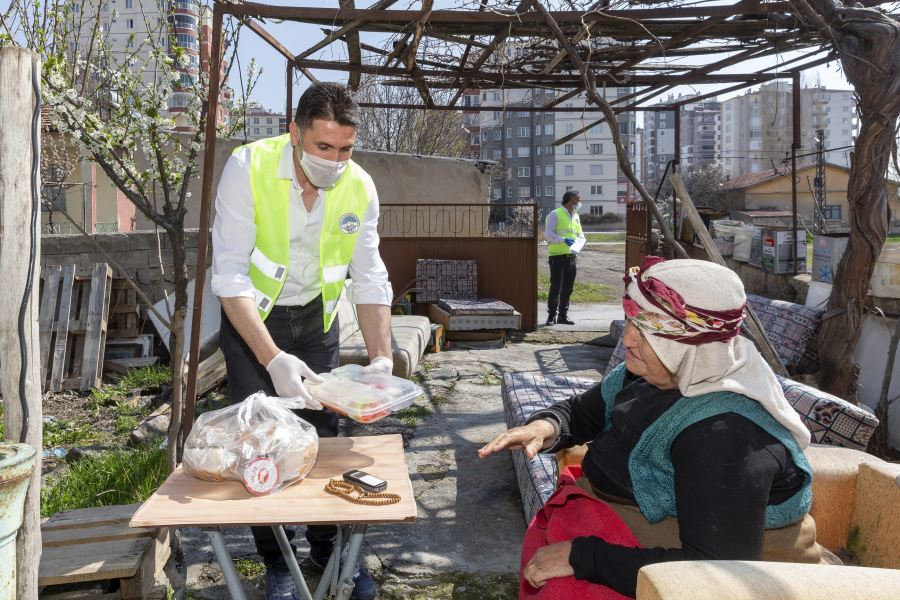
(337, 579)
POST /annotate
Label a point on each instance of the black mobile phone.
(369, 483)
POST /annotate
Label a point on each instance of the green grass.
(605, 237)
(490, 378)
(583, 292)
(893, 239)
(248, 568)
(110, 478)
(66, 433)
(412, 415)
(134, 379)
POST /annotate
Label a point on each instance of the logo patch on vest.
(349, 223)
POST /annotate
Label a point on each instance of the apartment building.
(262, 122)
(700, 139)
(757, 127)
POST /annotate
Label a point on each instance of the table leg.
(345, 584)
(232, 581)
(291, 560)
(331, 568)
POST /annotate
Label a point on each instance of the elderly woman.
(693, 453)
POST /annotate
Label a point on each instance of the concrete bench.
(409, 338)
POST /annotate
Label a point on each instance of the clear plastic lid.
(364, 397)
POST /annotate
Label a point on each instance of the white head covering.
(734, 365)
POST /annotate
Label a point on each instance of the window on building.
(523, 151)
(129, 3)
(269, 130)
(569, 149)
(129, 23)
(508, 132)
(537, 150)
(596, 190)
(549, 150)
(256, 120)
(568, 170)
(496, 193)
(524, 131)
(524, 191)
(595, 130)
(537, 171)
(509, 191)
(524, 172)
(832, 211)
(548, 170)
(568, 128)
(509, 152)
(548, 129)
(548, 191)
(256, 131)
(268, 120)
(495, 155)
(596, 148)
(537, 129)
(537, 191)
(597, 210)
(498, 134)
(476, 139)
(597, 169)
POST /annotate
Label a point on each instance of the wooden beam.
(347, 28)
(20, 261)
(256, 27)
(354, 52)
(585, 29)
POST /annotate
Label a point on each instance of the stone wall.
(137, 252)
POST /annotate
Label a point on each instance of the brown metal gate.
(637, 233)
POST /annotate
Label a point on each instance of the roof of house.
(751, 179)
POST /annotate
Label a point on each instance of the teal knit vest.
(650, 463)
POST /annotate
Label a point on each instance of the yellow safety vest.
(345, 206)
(567, 226)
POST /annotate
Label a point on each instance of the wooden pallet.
(73, 321)
(124, 311)
(96, 544)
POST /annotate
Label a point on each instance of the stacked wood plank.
(74, 311)
(96, 544)
(124, 313)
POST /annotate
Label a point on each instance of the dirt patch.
(598, 263)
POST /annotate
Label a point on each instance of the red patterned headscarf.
(673, 318)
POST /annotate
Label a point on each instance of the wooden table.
(182, 501)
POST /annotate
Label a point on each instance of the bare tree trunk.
(176, 346)
(867, 43)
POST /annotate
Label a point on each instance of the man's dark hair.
(570, 195)
(329, 101)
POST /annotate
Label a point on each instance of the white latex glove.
(381, 365)
(287, 373)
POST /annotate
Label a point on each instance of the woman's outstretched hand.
(530, 438)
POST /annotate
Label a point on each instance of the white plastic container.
(723, 235)
(743, 242)
(364, 397)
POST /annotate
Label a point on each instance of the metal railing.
(503, 220)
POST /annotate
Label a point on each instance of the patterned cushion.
(792, 329)
(523, 395)
(617, 328)
(437, 278)
(831, 420)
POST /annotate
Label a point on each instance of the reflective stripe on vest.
(567, 226)
(345, 206)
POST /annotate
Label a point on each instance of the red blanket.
(569, 513)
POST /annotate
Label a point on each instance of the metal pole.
(345, 585)
(289, 89)
(209, 163)
(232, 580)
(676, 158)
(795, 97)
(293, 567)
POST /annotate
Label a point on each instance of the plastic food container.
(364, 397)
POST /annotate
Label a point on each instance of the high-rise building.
(757, 127)
(132, 29)
(699, 141)
(472, 121)
(520, 143)
(588, 162)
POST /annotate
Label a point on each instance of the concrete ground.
(465, 543)
(587, 317)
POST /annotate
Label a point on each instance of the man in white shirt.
(562, 229)
(294, 217)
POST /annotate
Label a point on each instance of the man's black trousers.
(562, 280)
(298, 331)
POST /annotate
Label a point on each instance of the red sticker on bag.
(260, 476)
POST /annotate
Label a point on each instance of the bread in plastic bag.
(259, 442)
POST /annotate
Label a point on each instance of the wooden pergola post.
(20, 261)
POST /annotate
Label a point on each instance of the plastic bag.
(258, 442)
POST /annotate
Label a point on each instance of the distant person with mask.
(562, 229)
(294, 217)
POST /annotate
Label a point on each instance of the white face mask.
(577, 206)
(321, 172)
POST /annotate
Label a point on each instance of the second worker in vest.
(562, 229)
(294, 217)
